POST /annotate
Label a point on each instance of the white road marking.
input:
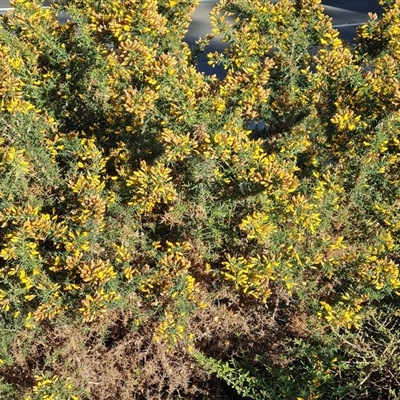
(353, 24)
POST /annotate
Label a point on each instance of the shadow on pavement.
(358, 6)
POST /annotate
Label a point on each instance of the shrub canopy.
(180, 224)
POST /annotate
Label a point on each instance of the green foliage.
(239, 379)
(140, 211)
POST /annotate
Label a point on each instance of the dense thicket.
(165, 234)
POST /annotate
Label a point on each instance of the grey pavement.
(346, 15)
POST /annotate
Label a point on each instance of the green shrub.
(151, 238)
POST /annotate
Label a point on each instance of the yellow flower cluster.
(257, 226)
(49, 388)
(254, 276)
(151, 186)
(346, 313)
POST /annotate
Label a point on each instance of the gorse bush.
(166, 234)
